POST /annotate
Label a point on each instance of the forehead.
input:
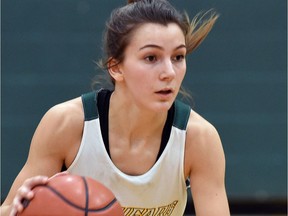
(162, 35)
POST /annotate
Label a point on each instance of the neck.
(129, 120)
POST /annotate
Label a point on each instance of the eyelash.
(182, 57)
(149, 58)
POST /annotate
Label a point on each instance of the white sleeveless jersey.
(158, 192)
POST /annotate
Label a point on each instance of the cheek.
(141, 73)
(181, 72)
(138, 77)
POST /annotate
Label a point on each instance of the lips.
(164, 91)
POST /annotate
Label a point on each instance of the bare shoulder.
(66, 117)
(66, 114)
(200, 131)
(59, 132)
(203, 145)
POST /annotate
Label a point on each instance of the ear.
(114, 70)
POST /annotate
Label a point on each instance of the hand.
(25, 193)
(59, 174)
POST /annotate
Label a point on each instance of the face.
(154, 66)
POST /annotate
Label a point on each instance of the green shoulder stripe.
(181, 116)
(89, 101)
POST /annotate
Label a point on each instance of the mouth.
(165, 91)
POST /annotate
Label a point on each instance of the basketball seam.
(86, 196)
(76, 206)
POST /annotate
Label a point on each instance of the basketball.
(72, 195)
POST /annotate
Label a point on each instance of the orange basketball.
(72, 195)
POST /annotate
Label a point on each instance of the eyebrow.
(159, 47)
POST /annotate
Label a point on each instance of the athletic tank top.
(161, 190)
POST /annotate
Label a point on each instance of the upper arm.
(205, 162)
(56, 135)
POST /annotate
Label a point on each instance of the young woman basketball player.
(137, 139)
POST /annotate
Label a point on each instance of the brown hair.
(124, 20)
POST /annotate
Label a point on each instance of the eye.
(151, 58)
(179, 58)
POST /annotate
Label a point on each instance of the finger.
(24, 192)
(13, 211)
(37, 180)
(59, 174)
(16, 207)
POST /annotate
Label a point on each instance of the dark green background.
(237, 77)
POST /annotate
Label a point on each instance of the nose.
(167, 70)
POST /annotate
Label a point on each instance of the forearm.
(212, 204)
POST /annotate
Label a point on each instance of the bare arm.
(55, 142)
(205, 165)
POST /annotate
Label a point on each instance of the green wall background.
(238, 78)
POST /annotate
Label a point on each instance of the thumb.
(59, 174)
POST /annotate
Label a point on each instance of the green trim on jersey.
(89, 101)
(181, 116)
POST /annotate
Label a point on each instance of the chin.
(163, 106)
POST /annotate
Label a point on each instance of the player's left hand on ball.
(25, 192)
